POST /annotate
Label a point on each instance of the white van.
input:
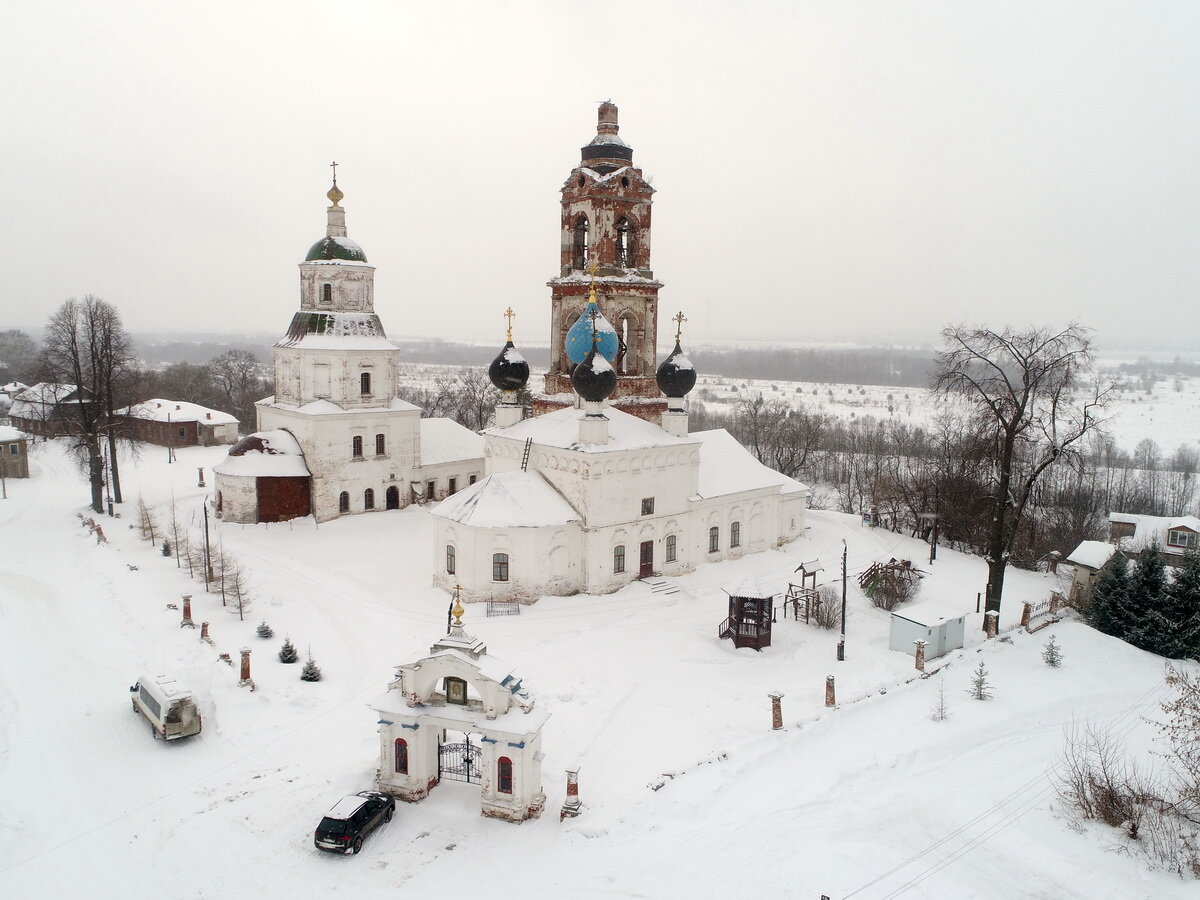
(169, 708)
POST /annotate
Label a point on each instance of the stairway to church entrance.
(460, 760)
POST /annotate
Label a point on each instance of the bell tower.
(605, 246)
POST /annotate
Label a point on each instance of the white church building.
(593, 495)
(335, 438)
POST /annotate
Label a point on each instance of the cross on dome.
(679, 318)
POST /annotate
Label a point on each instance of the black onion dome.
(594, 378)
(676, 376)
(509, 371)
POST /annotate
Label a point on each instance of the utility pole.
(170, 441)
(841, 647)
(208, 570)
(937, 511)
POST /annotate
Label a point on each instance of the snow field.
(641, 694)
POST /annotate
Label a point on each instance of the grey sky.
(823, 169)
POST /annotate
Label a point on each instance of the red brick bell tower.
(606, 234)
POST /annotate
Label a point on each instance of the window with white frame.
(618, 559)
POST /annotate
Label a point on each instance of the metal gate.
(460, 762)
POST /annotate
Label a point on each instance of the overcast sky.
(825, 171)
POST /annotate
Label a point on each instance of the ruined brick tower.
(606, 235)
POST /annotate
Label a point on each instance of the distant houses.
(48, 409)
(1130, 535)
(177, 423)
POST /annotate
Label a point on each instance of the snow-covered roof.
(749, 586)
(329, 408)
(561, 429)
(159, 410)
(39, 401)
(8, 433)
(726, 467)
(444, 440)
(508, 500)
(338, 342)
(264, 454)
(932, 612)
(14, 387)
(1092, 554)
(1151, 529)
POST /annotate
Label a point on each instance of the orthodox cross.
(508, 314)
(334, 165)
(679, 318)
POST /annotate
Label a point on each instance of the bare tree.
(239, 376)
(1026, 391)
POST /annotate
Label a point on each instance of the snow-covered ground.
(868, 800)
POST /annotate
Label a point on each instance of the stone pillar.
(830, 696)
(776, 711)
(200, 479)
(572, 804)
(187, 612)
(1056, 601)
(245, 679)
(991, 623)
(920, 655)
(204, 632)
(1026, 614)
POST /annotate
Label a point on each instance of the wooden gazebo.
(751, 612)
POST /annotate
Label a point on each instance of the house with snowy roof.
(177, 423)
(1174, 535)
(335, 439)
(48, 409)
(14, 453)
(610, 485)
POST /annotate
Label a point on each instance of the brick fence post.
(920, 655)
(572, 804)
(991, 623)
(830, 696)
(1026, 615)
(776, 711)
(245, 679)
(187, 612)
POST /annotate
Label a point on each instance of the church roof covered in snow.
(444, 440)
(159, 410)
(264, 454)
(726, 467)
(336, 331)
(561, 429)
(508, 500)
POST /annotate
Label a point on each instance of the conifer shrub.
(264, 630)
(311, 671)
(287, 653)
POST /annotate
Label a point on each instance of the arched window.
(672, 547)
(380, 445)
(626, 246)
(344, 502)
(368, 499)
(327, 293)
(714, 539)
(627, 354)
(504, 775)
(499, 567)
(450, 559)
(618, 559)
(356, 446)
(364, 384)
(735, 534)
(401, 756)
(579, 243)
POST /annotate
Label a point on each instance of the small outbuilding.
(177, 423)
(940, 624)
(263, 479)
(1088, 560)
(14, 453)
(751, 612)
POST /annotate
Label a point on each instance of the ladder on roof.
(525, 455)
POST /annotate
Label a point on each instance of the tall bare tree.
(1028, 391)
(86, 345)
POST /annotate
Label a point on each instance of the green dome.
(336, 248)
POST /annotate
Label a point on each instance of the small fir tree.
(311, 671)
(287, 653)
(940, 712)
(264, 630)
(1052, 653)
(166, 548)
(981, 688)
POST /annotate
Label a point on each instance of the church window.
(579, 243)
(504, 775)
(430, 489)
(624, 182)
(625, 242)
(356, 449)
(714, 539)
(472, 479)
(380, 445)
(456, 691)
(451, 486)
(344, 502)
(499, 567)
(735, 534)
(450, 559)
(364, 384)
(672, 547)
(618, 559)
(401, 756)
(327, 293)
(647, 506)
(368, 499)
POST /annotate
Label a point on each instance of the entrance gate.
(461, 761)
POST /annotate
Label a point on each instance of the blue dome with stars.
(579, 337)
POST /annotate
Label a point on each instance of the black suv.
(352, 819)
